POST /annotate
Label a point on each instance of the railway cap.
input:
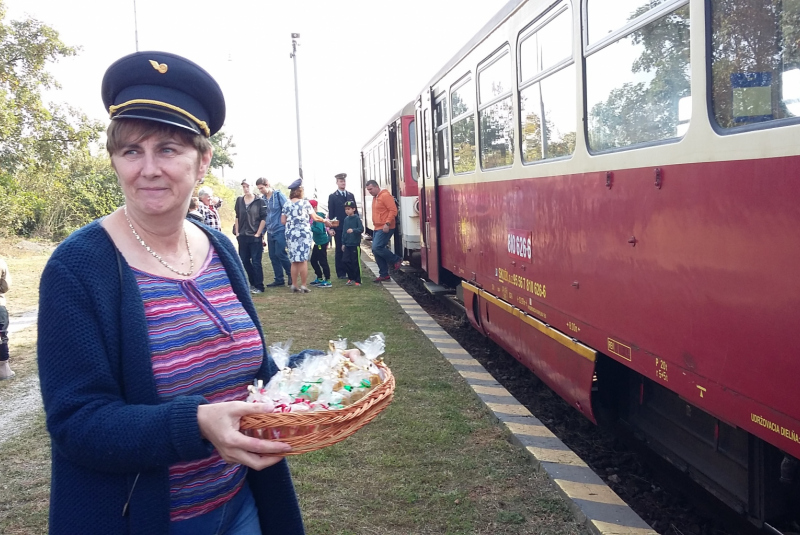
(296, 184)
(340, 176)
(350, 204)
(164, 87)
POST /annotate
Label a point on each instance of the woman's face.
(158, 174)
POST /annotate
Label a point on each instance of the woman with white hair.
(207, 208)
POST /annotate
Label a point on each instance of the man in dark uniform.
(336, 202)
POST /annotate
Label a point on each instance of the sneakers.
(381, 279)
(349, 283)
(316, 282)
(274, 284)
(256, 291)
(357, 284)
(324, 284)
(397, 265)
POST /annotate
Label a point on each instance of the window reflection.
(497, 134)
(547, 47)
(496, 120)
(495, 79)
(412, 145)
(441, 143)
(755, 58)
(634, 86)
(462, 101)
(605, 17)
(554, 99)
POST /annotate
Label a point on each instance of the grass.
(434, 462)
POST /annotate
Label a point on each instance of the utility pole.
(293, 55)
(135, 26)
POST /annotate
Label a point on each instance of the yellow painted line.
(505, 408)
(548, 455)
(567, 341)
(582, 350)
(464, 362)
(497, 302)
(442, 340)
(607, 528)
(590, 492)
(476, 375)
(471, 288)
(491, 390)
(529, 430)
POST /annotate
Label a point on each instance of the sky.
(358, 63)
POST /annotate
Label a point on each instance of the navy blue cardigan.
(106, 423)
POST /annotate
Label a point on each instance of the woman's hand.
(219, 424)
(349, 231)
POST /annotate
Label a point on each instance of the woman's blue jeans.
(236, 517)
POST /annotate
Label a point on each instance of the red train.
(614, 186)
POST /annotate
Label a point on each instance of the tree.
(223, 155)
(32, 133)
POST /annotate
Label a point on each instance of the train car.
(390, 158)
(614, 186)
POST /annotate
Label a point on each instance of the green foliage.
(223, 154)
(50, 183)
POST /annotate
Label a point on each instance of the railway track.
(664, 497)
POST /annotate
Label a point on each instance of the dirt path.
(22, 399)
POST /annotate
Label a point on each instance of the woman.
(295, 216)
(148, 336)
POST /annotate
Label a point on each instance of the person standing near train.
(336, 202)
(5, 283)
(251, 216)
(276, 232)
(384, 215)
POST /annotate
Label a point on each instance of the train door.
(428, 203)
(395, 176)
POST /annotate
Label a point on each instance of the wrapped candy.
(315, 380)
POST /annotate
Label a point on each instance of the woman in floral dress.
(297, 215)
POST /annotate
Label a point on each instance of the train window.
(547, 92)
(441, 143)
(495, 112)
(755, 61)
(462, 101)
(612, 16)
(635, 84)
(549, 44)
(412, 147)
(494, 80)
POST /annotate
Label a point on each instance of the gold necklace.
(156, 255)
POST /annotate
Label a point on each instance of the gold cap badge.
(160, 67)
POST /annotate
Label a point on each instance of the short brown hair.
(122, 131)
(296, 193)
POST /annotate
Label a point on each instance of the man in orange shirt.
(384, 212)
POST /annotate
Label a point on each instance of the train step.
(436, 289)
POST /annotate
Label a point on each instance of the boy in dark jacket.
(319, 253)
(352, 229)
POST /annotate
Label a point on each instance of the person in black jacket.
(336, 202)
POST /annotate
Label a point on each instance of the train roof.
(484, 32)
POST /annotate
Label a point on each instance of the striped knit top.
(204, 343)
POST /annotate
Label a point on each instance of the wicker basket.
(309, 431)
